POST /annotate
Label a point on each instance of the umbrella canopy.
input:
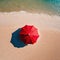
(29, 34)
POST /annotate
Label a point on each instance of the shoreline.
(22, 18)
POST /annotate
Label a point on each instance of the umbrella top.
(29, 34)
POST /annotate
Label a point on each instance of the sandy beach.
(48, 44)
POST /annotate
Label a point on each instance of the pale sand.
(47, 46)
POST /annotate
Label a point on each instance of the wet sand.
(47, 46)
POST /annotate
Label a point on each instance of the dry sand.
(47, 46)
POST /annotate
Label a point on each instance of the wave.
(34, 6)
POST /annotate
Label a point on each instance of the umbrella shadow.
(15, 39)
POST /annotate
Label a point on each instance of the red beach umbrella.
(29, 34)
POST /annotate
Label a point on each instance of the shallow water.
(45, 6)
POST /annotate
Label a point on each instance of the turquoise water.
(46, 6)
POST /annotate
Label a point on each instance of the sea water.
(45, 6)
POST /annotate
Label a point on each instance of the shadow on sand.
(15, 39)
